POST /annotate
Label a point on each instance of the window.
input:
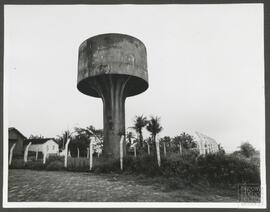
(53, 147)
(47, 147)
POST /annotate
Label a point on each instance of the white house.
(47, 146)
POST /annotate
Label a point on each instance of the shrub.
(78, 164)
(224, 169)
(216, 169)
(35, 165)
(56, 165)
(144, 164)
(52, 158)
(17, 164)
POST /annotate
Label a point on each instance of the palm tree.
(139, 123)
(184, 141)
(188, 140)
(64, 137)
(154, 127)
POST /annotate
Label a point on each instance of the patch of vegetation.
(214, 169)
(56, 165)
(35, 165)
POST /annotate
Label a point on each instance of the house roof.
(17, 131)
(38, 141)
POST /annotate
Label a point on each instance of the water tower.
(112, 67)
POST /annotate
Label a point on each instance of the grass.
(199, 178)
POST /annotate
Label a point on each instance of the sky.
(205, 67)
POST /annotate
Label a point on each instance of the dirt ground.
(62, 186)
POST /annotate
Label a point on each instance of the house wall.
(15, 137)
(50, 147)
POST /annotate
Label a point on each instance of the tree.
(177, 143)
(247, 149)
(62, 139)
(187, 140)
(165, 141)
(129, 137)
(139, 123)
(149, 143)
(221, 149)
(154, 127)
(84, 136)
(183, 141)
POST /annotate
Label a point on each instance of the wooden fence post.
(121, 151)
(164, 149)
(44, 156)
(26, 152)
(87, 151)
(66, 152)
(91, 155)
(158, 152)
(135, 152)
(11, 153)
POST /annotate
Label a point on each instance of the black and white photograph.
(134, 106)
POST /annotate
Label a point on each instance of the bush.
(35, 165)
(56, 165)
(17, 164)
(52, 158)
(78, 164)
(224, 169)
(144, 164)
(216, 169)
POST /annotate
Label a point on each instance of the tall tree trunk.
(148, 148)
(36, 155)
(78, 152)
(141, 139)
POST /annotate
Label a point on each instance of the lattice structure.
(206, 144)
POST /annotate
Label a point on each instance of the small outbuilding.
(48, 146)
(17, 138)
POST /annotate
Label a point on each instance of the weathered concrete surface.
(112, 67)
